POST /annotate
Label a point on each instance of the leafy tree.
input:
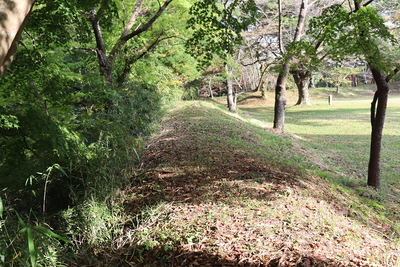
(338, 76)
(217, 27)
(58, 108)
(102, 13)
(217, 31)
(360, 32)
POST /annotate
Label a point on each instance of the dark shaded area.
(180, 257)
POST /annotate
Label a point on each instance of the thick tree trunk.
(280, 99)
(13, 17)
(378, 113)
(302, 78)
(280, 89)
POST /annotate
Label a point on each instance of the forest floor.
(214, 190)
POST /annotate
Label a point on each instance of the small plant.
(29, 242)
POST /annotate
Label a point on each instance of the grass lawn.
(339, 134)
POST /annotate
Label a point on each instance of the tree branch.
(130, 61)
(146, 26)
(84, 48)
(281, 47)
(390, 76)
(124, 38)
(132, 19)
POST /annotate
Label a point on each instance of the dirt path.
(216, 195)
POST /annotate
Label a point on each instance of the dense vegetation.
(92, 81)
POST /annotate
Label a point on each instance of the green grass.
(340, 135)
(336, 139)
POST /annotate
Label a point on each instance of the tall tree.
(231, 97)
(360, 32)
(379, 103)
(307, 57)
(107, 59)
(280, 89)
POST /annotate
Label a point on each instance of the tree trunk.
(105, 66)
(280, 99)
(106, 62)
(354, 80)
(264, 93)
(377, 121)
(210, 87)
(13, 17)
(231, 94)
(280, 89)
(302, 78)
(311, 83)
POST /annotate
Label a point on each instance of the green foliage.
(29, 242)
(53, 24)
(92, 223)
(192, 90)
(352, 33)
(167, 69)
(303, 53)
(339, 76)
(217, 27)
(35, 114)
(57, 113)
(61, 112)
(8, 121)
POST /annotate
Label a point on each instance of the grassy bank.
(217, 189)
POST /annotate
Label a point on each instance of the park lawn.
(337, 139)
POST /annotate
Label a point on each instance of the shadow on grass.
(200, 160)
(158, 257)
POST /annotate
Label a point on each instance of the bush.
(94, 134)
(192, 90)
